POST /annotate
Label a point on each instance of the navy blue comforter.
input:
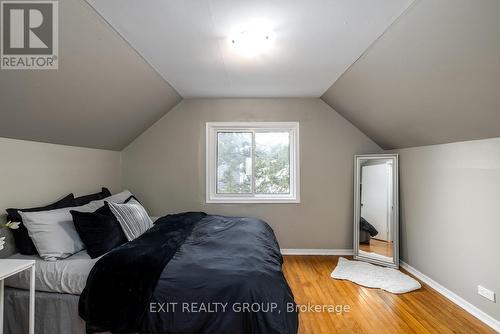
(192, 273)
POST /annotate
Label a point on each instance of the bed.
(185, 259)
(366, 231)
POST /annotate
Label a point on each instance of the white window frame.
(212, 128)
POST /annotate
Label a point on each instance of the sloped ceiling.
(433, 77)
(103, 95)
(187, 41)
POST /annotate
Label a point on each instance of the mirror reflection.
(376, 233)
(376, 206)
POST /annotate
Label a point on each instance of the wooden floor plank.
(371, 310)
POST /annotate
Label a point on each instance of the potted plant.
(12, 226)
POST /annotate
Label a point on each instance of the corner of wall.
(354, 126)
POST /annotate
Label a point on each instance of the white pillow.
(53, 232)
(132, 217)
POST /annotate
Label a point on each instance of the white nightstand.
(12, 267)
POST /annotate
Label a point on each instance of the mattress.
(68, 275)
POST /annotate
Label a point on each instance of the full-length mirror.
(376, 218)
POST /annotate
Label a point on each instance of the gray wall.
(165, 167)
(33, 174)
(450, 214)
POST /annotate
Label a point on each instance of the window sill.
(253, 201)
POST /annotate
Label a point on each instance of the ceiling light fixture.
(252, 41)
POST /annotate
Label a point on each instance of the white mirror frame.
(395, 211)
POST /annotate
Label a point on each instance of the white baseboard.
(315, 251)
(486, 318)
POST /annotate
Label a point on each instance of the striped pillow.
(132, 217)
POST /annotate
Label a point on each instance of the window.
(253, 162)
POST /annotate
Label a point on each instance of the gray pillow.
(116, 198)
(132, 217)
(53, 232)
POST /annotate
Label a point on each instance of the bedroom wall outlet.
(488, 294)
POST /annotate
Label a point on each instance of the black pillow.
(100, 231)
(23, 241)
(82, 200)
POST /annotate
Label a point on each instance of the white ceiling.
(186, 42)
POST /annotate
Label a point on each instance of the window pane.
(234, 162)
(272, 163)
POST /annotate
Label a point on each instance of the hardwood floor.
(371, 310)
(378, 246)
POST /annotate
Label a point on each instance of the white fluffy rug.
(373, 276)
